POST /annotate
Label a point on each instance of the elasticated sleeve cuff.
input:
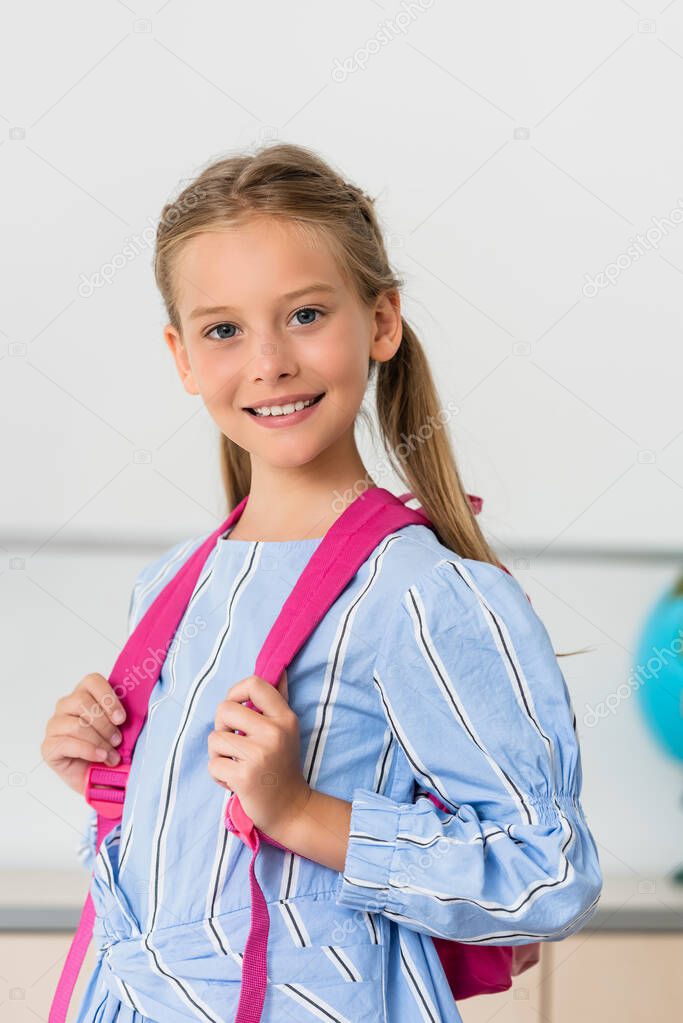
(364, 882)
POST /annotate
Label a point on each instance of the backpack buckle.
(105, 788)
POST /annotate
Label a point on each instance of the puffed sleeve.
(472, 690)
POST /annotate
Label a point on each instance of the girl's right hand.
(82, 730)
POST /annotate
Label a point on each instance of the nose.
(273, 360)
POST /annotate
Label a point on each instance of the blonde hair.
(293, 183)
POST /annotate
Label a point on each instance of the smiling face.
(284, 323)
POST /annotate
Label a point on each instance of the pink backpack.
(374, 514)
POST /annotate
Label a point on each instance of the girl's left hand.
(262, 766)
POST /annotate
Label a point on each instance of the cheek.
(343, 363)
(352, 378)
(216, 379)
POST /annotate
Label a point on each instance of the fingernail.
(117, 717)
(116, 738)
(113, 757)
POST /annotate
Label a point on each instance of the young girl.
(430, 674)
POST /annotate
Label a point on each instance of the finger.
(227, 744)
(99, 749)
(224, 771)
(283, 686)
(82, 706)
(69, 724)
(105, 696)
(262, 694)
(232, 715)
(69, 746)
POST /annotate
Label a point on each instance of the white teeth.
(282, 410)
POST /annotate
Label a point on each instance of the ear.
(388, 326)
(182, 361)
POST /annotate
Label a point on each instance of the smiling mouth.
(283, 414)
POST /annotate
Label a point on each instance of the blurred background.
(526, 163)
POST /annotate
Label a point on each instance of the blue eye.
(308, 309)
(220, 326)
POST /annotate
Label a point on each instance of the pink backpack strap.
(345, 547)
(133, 679)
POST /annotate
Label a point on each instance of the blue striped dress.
(430, 673)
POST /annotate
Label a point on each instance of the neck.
(302, 502)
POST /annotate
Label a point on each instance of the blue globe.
(659, 670)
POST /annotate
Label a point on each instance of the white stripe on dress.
(425, 1005)
(385, 762)
(313, 1003)
(411, 753)
(294, 923)
(170, 666)
(508, 654)
(430, 655)
(225, 843)
(341, 961)
(317, 742)
(169, 787)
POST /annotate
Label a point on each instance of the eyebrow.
(204, 310)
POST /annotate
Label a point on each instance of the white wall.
(515, 150)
